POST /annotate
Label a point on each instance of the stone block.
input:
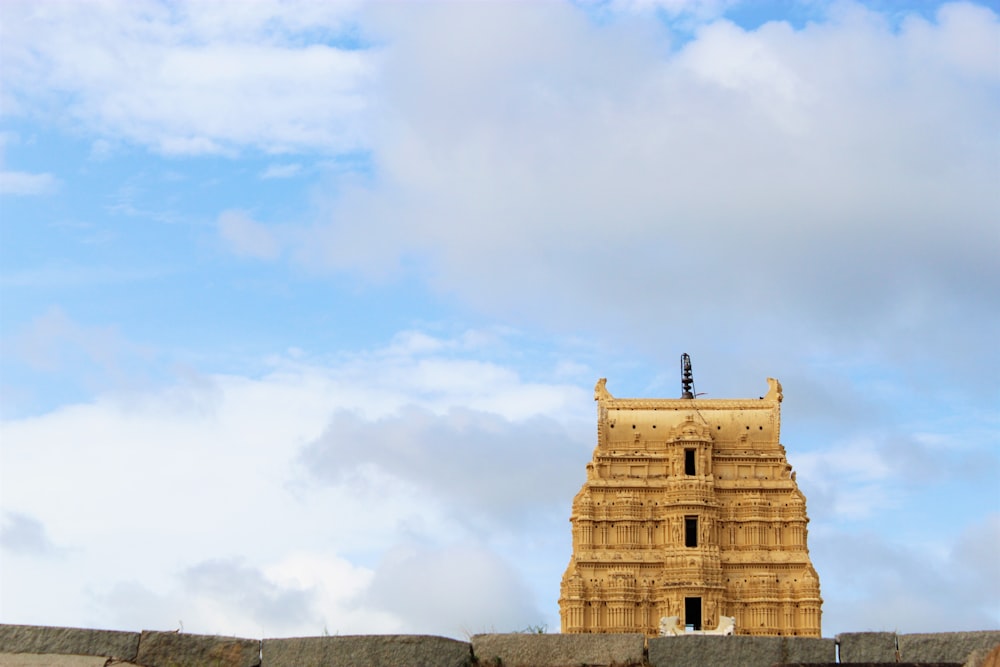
(874, 664)
(69, 641)
(867, 647)
(366, 651)
(175, 649)
(52, 660)
(570, 650)
(698, 650)
(945, 646)
(808, 649)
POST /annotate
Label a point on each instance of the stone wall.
(39, 646)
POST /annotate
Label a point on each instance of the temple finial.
(687, 377)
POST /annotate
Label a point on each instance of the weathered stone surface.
(174, 649)
(858, 647)
(366, 651)
(807, 649)
(70, 641)
(698, 650)
(532, 650)
(945, 646)
(874, 664)
(977, 658)
(52, 660)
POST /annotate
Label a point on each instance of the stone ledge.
(699, 650)
(175, 649)
(945, 646)
(55, 660)
(867, 647)
(557, 650)
(874, 664)
(42, 646)
(366, 651)
(68, 641)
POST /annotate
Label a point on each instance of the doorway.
(692, 613)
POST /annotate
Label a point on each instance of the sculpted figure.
(727, 626)
(601, 390)
(670, 626)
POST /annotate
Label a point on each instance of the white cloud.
(191, 78)
(281, 171)
(832, 184)
(848, 480)
(697, 10)
(870, 476)
(407, 343)
(468, 459)
(24, 183)
(465, 589)
(966, 41)
(59, 274)
(54, 341)
(301, 594)
(23, 534)
(240, 533)
(964, 577)
(246, 237)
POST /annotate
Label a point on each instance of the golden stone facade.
(690, 509)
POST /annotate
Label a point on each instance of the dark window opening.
(692, 613)
(690, 531)
(689, 462)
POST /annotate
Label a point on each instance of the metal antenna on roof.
(687, 377)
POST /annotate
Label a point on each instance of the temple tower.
(690, 509)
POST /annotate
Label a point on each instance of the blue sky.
(302, 304)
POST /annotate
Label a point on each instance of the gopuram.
(690, 510)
